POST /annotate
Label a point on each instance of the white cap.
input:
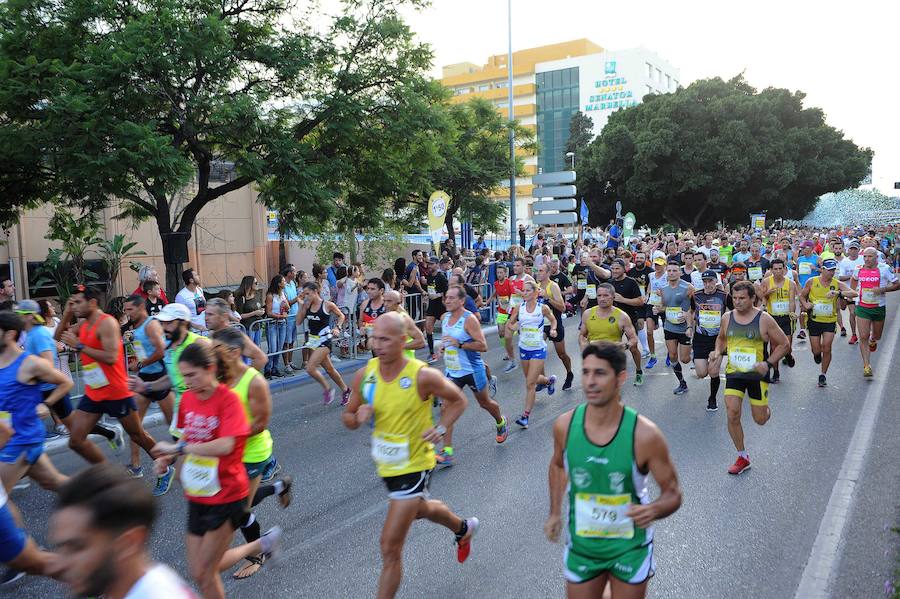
(174, 311)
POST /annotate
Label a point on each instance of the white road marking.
(825, 555)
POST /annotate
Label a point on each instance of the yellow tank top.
(409, 353)
(401, 416)
(604, 329)
(258, 448)
(779, 303)
(824, 308)
(745, 347)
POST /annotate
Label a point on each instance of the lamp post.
(512, 136)
(572, 156)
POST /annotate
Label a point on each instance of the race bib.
(6, 418)
(582, 284)
(781, 307)
(755, 273)
(710, 319)
(504, 301)
(869, 296)
(531, 337)
(432, 290)
(804, 268)
(592, 291)
(139, 350)
(742, 360)
(200, 476)
(315, 341)
(94, 376)
(675, 315)
(823, 308)
(603, 516)
(655, 298)
(451, 358)
(390, 451)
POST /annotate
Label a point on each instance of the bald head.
(390, 324)
(392, 297)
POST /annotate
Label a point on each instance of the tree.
(581, 133)
(717, 151)
(171, 104)
(850, 207)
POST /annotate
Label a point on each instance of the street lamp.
(572, 156)
(512, 135)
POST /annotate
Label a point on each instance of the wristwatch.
(79, 346)
(441, 429)
(179, 447)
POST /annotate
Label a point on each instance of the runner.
(101, 528)
(819, 298)
(530, 318)
(709, 305)
(872, 280)
(781, 296)
(149, 345)
(372, 307)
(678, 326)
(596, 274)
(605, 322)
(552, 296)
(658, 280)
(106, 389)
(318, 313)
(215, 430)
(641, 273)
(217, 311)
(837, 253)
(502, 293)
(395, 394)
(462, 345)
(436, 284)
(846, 268)
(603, 454)
(415, 339)
(807, 267)
(743, 336)
(253, 391)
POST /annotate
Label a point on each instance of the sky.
(844, 55)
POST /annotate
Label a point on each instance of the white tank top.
(531, 328)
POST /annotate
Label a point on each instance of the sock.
(250, 529)
(653, 354)
(642, 337)
(430, 339)
(108, 434)
(677, 368)
(462, 530)
(527, 413)
(261, 493)
(744, 455)
(501, 423)
(714, 383)
(639, 371)
(448, 449)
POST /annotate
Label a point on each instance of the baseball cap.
(660, 261)
(853, 244)
(709, 274)
(27, 306)
(711, 250)
(808, 244)
(174, 311)
(829, 264)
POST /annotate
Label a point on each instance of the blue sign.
(610, 67)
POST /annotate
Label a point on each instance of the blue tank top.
(807, 272)
(459, 362)
(143, 347)
(39, 340)
(18, 401)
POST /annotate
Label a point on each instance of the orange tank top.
(102, 382)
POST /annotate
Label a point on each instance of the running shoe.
(432, 359)
(822, 381)
(522, 421)
(645, 354)
(284, 497)
(776, 377)
(867, 371)
(464, 543)
(271, 543)
(668, 361)
(288, 369)
(62, 430)
(740, 465)
(506, 358)
(118, 440)
(843, 332)
(329, 396)
(551, 386)
(789, 360)
(873, 345)
(443, 458)
(23, 484)
(570, 376)
(51, 435)
(502, 430)
(651, 362)
(638, 379)
(712, 405)
(277, 373)
(345, 397)
(271, 471)
(164, 483)
(681, 389)
(10, 576)
(135, 471)
(510, 367)
(853, 340)
(493, 384)
(539, 387)
(817, 358)
(801, 335)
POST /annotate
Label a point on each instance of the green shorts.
(634, 566)
(873, 314)
(501, 320)
(255, 469)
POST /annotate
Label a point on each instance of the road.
(736, 537)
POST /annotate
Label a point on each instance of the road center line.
(825, 553)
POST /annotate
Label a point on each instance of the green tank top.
(258, 447)
(176, 381)
(603, 482)
(745, 347)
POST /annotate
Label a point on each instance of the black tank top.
(318, 321)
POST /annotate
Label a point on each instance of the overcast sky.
(844, 55)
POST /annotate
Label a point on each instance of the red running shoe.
(873, 346)
(853, 340)
(739, 465)
(464, 544)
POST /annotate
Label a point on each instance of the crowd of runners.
(743, 302)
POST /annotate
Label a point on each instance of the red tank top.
(102, 382)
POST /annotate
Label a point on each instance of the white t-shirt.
(195, 302)
(846, 266)
(160, 582)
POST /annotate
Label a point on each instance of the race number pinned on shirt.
(432, 290)
(710, 319)
(390, 451)
(531, 337)
(804, 268)
(869, 296)
(603, 516)
(781, 307)
(200, 476)
(742, 360)
(675, 315)
(592, 292)
(451, 358)
(139, 350)
(315, 341)
(755, 273)
(823, 308)
(582, 284)
(655, 298)
(94, 377)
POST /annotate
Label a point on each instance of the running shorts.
(786, 324)
(634, 566)
(703, 346)
(203, 518)
(255, 469)
(149, 377)
(63, 407)
(475, 381)
(408, 486)
(816, 329)
(560, 331)
(682, 338)
(435, 308)
(10, 454)
(757, 391)
(501, 319)
(873, 314)
(533, 354)
(116, 408)
(12, 538)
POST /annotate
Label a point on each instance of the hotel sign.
(611, 93)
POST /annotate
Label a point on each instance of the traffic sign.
(558, 191)
(557, 178)
(567, 204)
(557, 218)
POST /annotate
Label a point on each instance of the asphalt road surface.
(738, 537)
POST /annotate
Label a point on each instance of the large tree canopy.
(717, 151)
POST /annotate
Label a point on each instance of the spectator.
(480, 244)
(116, 309)
(320, 277)
(291, 291)
(153, 296)
(7, 291)
(338, 294)
(337, 260)
(277, 308)
(400, 268)
(248, 305)
(522, 231)
(149, 273)
(351, 289)
(191, 296)
(389, 277)
(228, 296)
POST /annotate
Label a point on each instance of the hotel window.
(649, 69)
(648, 90)
(668, 83)
(658, 76)
(484, 87)
(500, 83)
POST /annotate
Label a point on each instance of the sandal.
(256, 562)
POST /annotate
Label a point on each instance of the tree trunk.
(450, 229)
